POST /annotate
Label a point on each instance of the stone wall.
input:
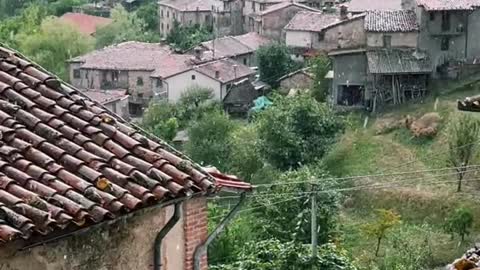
(123, 244)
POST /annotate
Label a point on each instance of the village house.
(240, 48)
(271, 21)
(218, 76)
(448, 31)
(186, 12)
(254, 6)
(115, 101)
(325, 32)
(84, 23)
(228, 20)
(82, 189)
(300, 79)
(387, 69)
(127, 66)
(362, 6)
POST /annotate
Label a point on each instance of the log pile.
(469, 261)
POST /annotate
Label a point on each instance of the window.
(432, 16)
(76, 73)
(140, 95)
(445, 44)
(159, 83)
(253, 6)
(193, 77)
(245, 61)
(190, 22)
(387, 41)
(207, 18)
(168, 14)
(321, 36)
(445, 21)
(161, 26)
(168, 27)
(174, 15)
(161, 13)
(139, 81)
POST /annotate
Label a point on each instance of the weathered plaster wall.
(349, 69)
(178, 84)
(300, 39)
(274, 22)
(398, 39)
(342, 36)
(125, 245)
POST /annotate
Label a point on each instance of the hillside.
(423, 199)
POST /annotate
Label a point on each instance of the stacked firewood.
(469, 261)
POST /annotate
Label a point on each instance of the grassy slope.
(418, 200)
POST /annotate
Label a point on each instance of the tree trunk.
(379, 241)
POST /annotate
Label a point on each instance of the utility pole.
(314, 222)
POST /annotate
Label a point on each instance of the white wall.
(176, 85)
(398, 39)
(300, 39)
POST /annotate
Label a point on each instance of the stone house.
(388, 69)
(448, 33)
(115, 101)
(126, 66)
(301, 79)
(240, 48)
(255, 6)
(84, 23)
(325, 32)
(271, 21)
(82, 189)
(186, 12)
(218, 75)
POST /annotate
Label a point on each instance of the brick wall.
(195, 229)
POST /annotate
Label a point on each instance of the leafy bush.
(386, 220)
(460, 222)
(245, 159)
(284, 209)
(297, 131)
(187, 37)
(320, 66)
(274, 254)
(274, 62)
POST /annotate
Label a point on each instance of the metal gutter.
(157, 246)
(200, 250)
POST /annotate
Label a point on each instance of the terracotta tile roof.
(85, 23)
(66, 162)
(311, 21)
(365, 5)
(253, 40)
(236, 45)
(398, 61)
(172, 64)
(283, 5)
(391, 21)
(129, 55)
(431, 5)
(105, 96)
(350, 18)
(228, 70)
(192, 5)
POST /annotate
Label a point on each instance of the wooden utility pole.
(314, 223)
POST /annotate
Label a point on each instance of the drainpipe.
(157, 253)
(200, 250)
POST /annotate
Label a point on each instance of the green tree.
(284, 210)
(149, 13)
(209, 139)
(195, 102)
(245, 159)
(60, 7)
(187, 37)
(320, 66)
(296, 131)
(161, 118)
(26, 23)
(274, 254)
(274, 62)
(462, 137)
(460, 222)
(125, 27)
(53, 44)
(386, 220)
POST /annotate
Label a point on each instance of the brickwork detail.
(196, 230)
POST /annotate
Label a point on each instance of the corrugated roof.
(398, 61)
(67, 162)
(84, 23)
(391, 21)
(432, 5)
(311, 21)
(366, 5)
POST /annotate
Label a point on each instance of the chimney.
(343, 12)
(198, 53)
(217, 74)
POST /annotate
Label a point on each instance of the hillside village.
(239, 134)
